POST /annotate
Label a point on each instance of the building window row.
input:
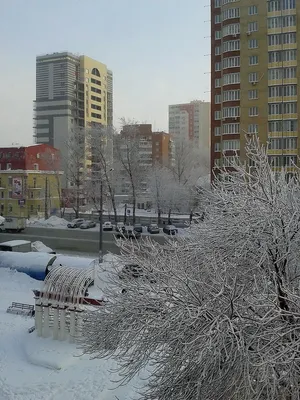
(96, 81)
(95, 90)
(231, 79)
(282, 108)
(231, 45)
(282, 38)
(231, 95)
(95, 98)
(280, 161)
(232, 29)
(278, 5)
(95, 107)
(281, 22)
(283, 126)
(228, 145)
(95, 115)
(282, 73)
(231, 129)
(285, 55)
(230, 13)
(287, 143)
(285, 91)
(231, 62)
(231, 112)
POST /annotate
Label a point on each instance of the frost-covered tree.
(214, 314)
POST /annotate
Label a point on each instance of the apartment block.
(254, 79)
(72, 91)
(30, 180)
(191, 122)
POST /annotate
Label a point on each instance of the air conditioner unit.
(254, 83)
(248, 33)
(235, 118)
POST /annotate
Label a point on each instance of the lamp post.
(101, 224)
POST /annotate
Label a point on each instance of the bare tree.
(76, 168)
(128, 156)
(213, 314)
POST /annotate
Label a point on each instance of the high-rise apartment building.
(191, 121)
(71, 91)
(254, 77)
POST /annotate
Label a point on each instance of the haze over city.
(158, 52)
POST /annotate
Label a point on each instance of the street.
(75, 240)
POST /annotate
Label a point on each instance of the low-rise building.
(30, 181)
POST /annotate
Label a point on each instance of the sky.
(158, 51)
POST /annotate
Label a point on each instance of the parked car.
(88, 225)
(138, 228)
(75, 223)
(134, 271)
(170, 230)
(120, 227)
(153, 228)
(128, 233)
(108, 226)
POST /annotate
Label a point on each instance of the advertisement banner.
(17, 188)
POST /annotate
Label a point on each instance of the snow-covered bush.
(216, 314)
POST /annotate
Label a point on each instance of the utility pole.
(46, 198)
(101, 223)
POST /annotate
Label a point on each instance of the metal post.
(101, 224)
(46, 198)
(125, 214)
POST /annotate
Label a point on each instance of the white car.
(108, 226)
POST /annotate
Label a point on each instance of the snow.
(33, 368)
(40, 247)
(2, 219)
(15, 243)
(52, 222)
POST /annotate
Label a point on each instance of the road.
(74, 240)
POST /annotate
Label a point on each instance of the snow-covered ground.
(21, 355)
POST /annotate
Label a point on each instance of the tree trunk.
(133, 204)
(169, 216)
(113, 202)
(159, 215)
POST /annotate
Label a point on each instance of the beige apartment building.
(254, 78)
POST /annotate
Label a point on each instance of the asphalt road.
(75, 240)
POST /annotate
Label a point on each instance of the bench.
(21, 309)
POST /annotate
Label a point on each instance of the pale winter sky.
(158, 51)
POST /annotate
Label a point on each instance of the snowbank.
(52, 222)
(40, 247)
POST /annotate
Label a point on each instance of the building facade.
(254, 78)
(191, 122)
(71, 91)
(30, 181)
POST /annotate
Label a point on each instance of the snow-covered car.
(170, 230)
(88, 225)
(108, 226)
(153, 228)
(138, 228)
(75, 223)
(128, 233)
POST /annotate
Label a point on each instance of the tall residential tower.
(254, 77)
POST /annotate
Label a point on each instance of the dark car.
(170, 230)
(153, 228)
(128, 232)
(87, 225)
(75, 223)
(138, 228)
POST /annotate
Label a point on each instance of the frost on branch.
(216, 313)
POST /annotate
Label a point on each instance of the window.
(2, 195)
(252, 94)
(217, 115)
(253, 77)
(95, 98)
(217, 66)
(217, 3)
(230, 13)
(9, 181)
(283, 126)
(96, 82)
(10, 208)
(217, 83)
(36, 167)
(252, 10)
(282, 73)
(253, 26)
(231, 62)
(34, 182)
(217, 162)
(217, 146)
(285, 91)
(8, 166)
(279, 56)
(217, 131)
(253, 60)
(231, 95)
(95, 72)
(217, 50)
(218, 35)
(289, 143)
(31, 195)
(285, 38)
(230, 79)
(31, 208)
(253, 128)
(231, 45)
(232, 29)
(286, 161)
(95, 90)
(253, 44)
(282, 108)
(217, 99)
(281, 22)
(10, 194)
(253, 111)
(231, 145)
(229, 129)
(231, 112)
(95, 107)
(94, 115)
(277, 5)
(217, 19)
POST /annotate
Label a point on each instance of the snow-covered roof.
(14, 243)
